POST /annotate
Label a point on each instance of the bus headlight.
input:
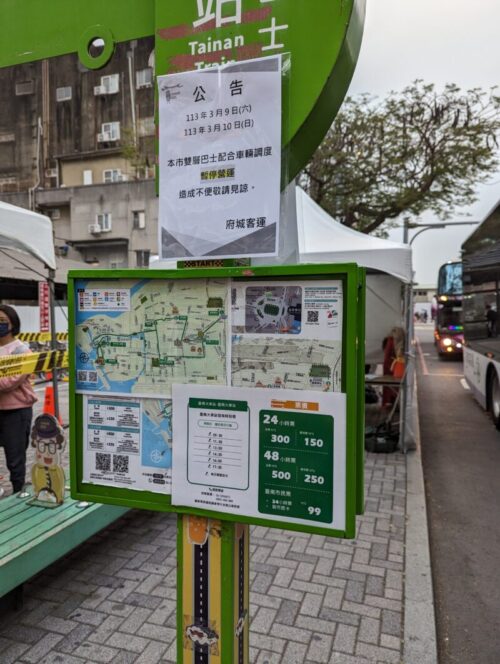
(447, 342)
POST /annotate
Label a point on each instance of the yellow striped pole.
(213, 592)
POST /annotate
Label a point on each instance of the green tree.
(411, 152)
(131, 150)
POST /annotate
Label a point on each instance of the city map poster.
(264, 454)
(138, 337)
(128, 443)
(287, 334)
(220, 161)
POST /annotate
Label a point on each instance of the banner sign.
(43, 304)
(261, 453)
(220, 159)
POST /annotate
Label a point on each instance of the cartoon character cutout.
(47, 474)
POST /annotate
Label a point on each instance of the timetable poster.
(275, 455)
(128, 443)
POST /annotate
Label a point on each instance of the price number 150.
(314, 442)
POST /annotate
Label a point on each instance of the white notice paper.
(128, 443)
(275, 455)
(220, 160)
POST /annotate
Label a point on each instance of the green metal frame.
(353, 340)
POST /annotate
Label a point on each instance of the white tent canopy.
(28, 232)
(324, 240)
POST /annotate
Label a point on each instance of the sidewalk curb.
(420, 641)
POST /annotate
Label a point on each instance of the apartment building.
(79, 145)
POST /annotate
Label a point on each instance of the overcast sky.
(440, 41)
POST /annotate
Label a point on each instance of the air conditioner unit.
(51, 173)
(99, 90)
(95, 229)
(104, 137)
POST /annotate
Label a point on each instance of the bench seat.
(33, 537)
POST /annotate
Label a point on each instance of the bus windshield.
(450, 318)
(450, 279)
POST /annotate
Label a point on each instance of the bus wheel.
(494, 398)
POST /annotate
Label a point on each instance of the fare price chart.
(296, 465)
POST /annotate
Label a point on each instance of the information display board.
(285, 339)
(258, 452)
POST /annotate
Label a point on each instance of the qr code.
(103, 462)
(86, 376)
(312, 316)
(120, 463)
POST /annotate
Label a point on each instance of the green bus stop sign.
(323, 38)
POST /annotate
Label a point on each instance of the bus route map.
(139, 337)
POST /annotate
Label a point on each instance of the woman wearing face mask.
(16, 401)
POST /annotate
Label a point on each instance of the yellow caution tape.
(41, 336)
(29, 363)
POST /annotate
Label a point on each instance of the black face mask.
(4, 329)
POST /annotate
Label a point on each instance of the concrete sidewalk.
(313, 599)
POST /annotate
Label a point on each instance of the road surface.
(461, 459)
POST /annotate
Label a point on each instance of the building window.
(144, 78)
(25, 88)
(146, 126)
(112, 175)
(110, 85)
(63, 94)
(142, 257)
(104, 221)
(110, 131)
(139, 219)
(87, 177)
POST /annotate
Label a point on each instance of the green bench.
(33, 537)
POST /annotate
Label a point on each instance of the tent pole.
(53, 335)
(408, 305)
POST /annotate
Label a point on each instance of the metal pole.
(212, 591)
(53, 335)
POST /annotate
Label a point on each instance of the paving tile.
(96, 653)
(320, 648)
(263, 620)
(287, 612)
(14, 652)
(345, 639)
(38, 652)
(74, 639)
(131, 642)
(295, 653)
(152, 654)
(369, 630)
